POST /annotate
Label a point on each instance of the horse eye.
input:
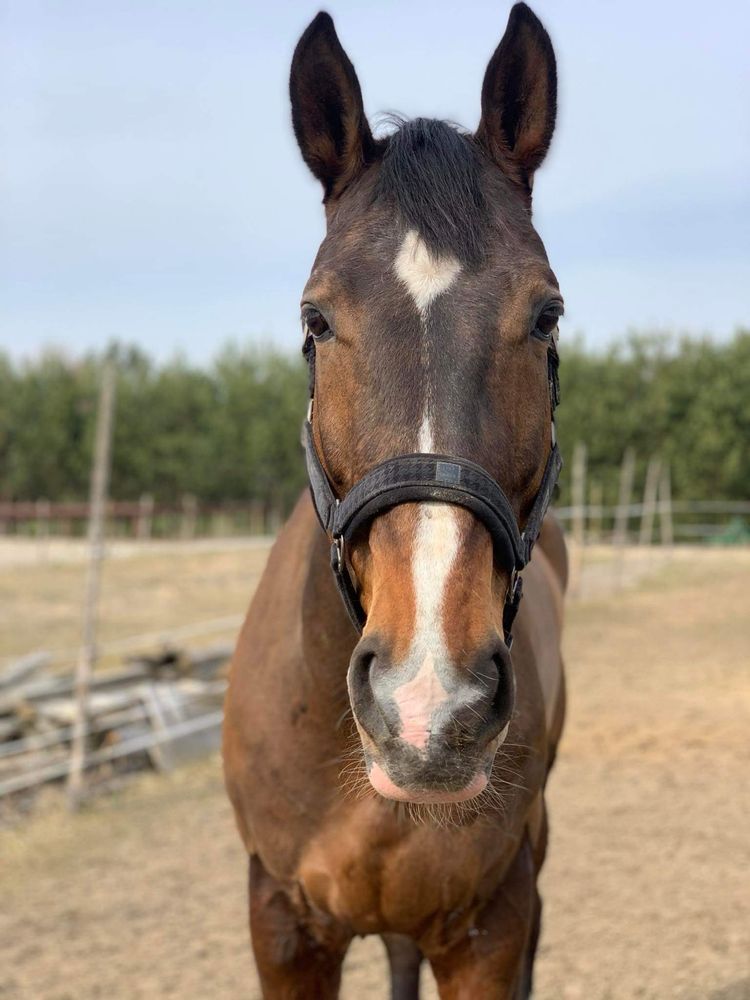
(546, 323)
(315, 325)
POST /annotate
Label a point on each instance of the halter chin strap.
(426, 477)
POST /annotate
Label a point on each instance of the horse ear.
(327, 110)
(519, 97)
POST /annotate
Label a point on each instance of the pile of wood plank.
(155, 711)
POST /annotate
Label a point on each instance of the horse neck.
(328, 637)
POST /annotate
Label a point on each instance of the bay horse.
(385, 757)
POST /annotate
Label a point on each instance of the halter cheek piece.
(426, 477)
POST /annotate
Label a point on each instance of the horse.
(384, 753)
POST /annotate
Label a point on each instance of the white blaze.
(437, 538)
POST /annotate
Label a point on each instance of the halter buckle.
(337, 554)
(510, 608)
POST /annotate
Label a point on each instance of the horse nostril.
(368, 670)
(362, 660)
(489, 694)
(359, 679)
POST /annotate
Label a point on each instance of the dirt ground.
(647, 884)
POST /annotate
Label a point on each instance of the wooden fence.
(140, 519)
(155, 711)
(655, 517)
(691, 520)
(639, 526)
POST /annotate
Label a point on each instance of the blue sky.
(151, 190)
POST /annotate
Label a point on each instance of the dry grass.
(146, 588)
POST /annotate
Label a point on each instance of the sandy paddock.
(647, 886)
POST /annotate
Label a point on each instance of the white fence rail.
(688, 520)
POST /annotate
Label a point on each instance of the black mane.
(432, 172)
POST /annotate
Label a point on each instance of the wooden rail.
(141, 519)
(167, 704)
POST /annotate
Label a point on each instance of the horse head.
(432, 312)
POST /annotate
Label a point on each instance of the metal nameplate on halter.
(448, 472)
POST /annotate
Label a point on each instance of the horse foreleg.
(527, 977)
(297, 956)
(492, 960)
(404, 958)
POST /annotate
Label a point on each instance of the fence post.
(578, 496)
(648, 510)
(274, 519)
(42, 510)
(97, 512)
(189, 516)
(144, 522)
(666, 528)
(622, 514)
(256, 517)
(42, 516)
(220, 527)
(596, 505)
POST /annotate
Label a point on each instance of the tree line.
(230, 431)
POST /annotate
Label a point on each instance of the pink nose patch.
(417, 701)
(389, 790)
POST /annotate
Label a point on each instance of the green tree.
(230, 432)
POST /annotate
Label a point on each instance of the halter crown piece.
(436, 478)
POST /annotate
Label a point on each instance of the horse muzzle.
(430, 729)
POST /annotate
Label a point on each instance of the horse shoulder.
(266, 694)
(541, 618)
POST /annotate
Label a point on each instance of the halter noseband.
(427, 477)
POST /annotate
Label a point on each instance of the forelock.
(432, 172)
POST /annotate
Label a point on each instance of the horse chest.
(377, 872)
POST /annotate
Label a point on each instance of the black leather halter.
(427, 477)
